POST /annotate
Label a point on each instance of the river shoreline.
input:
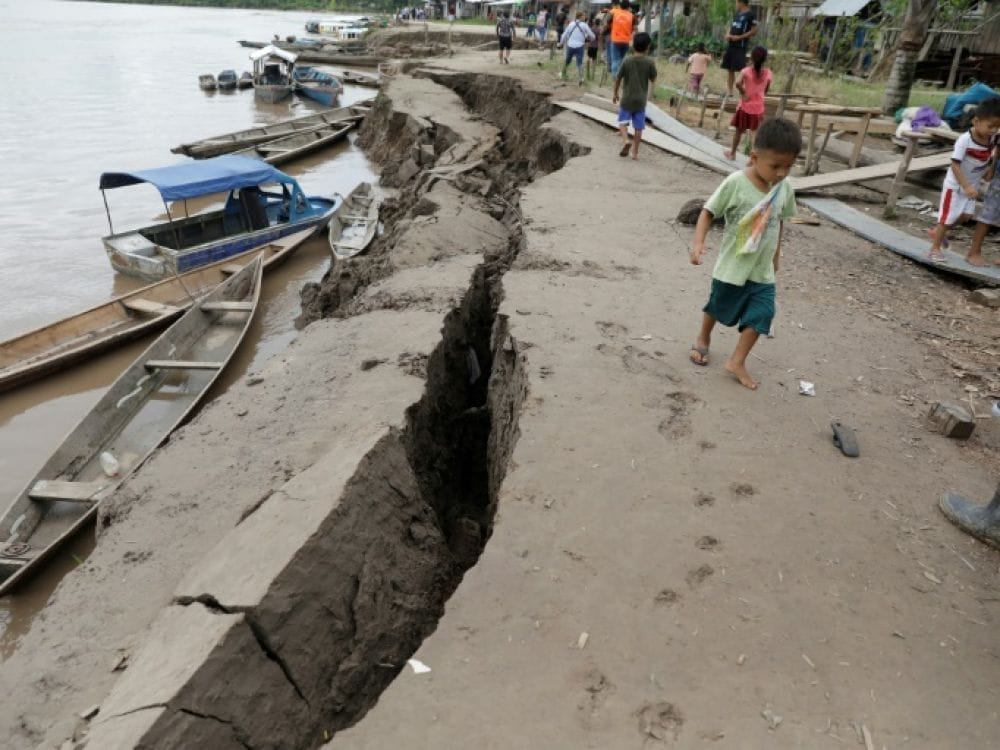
(486, 449)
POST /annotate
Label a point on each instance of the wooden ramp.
(874, 172)
(899, 242)
(655, 138)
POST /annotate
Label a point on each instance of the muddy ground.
(496, 401)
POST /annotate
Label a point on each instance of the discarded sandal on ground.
(845, 439)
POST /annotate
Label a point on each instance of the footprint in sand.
(708, 543)
(703, 500)
(667, 597)
(743, 489)
(698, 575)
(661, 721)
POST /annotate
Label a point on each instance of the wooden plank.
(873, 172)
(232, 268)
(226, 306)
(860, 141)
(181, 364)
(898, 241)
(656, 138)
(55, 489)
(148, 306)
(897, 183)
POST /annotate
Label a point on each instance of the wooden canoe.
(360, 79)
(227, 142)
(54, 347)
(355, 222)
(291, 147)
(136, 414)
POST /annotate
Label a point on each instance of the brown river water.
(115, 89)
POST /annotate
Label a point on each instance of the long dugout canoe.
(135, 415)
(228, 142)
(56, 346)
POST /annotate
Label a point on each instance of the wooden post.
(701, 115)
(722, 114)
(900, 178)
(814, 167)
(813, 121)
(953, 73)
(859, 141)
(802, 115)
(833, 44)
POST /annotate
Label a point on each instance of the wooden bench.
(57, 489)
(149, 307)
(180, 364)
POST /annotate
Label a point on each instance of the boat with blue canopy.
(251, 216)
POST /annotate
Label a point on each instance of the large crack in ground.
(369, 585)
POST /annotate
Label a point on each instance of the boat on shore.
(310, 44)
(228, 142)
(136, 414)
(354, 224)
(292, 147)
(272, 73)
(245, 81)
(322, 56)
(316, 85)
(54, 347)
(227, 80)
(250, 218)
(360, 79)
(207, 82)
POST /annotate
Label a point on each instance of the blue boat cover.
(191, 179)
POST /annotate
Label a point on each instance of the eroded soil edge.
(312, 655)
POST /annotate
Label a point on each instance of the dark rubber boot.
(982, 521)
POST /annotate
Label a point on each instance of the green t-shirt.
(635, 74)
(732, 200)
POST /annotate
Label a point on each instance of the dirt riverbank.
(657, 555)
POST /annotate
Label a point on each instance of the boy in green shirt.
(637, 73)
(754, 202)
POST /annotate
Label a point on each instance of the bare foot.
(975, 260)
(741, 374)
(729, 155)
(635, 157)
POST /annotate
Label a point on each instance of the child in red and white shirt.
(968, 165)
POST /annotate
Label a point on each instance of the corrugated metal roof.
(840, 7)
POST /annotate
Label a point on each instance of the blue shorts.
(638, 119)
(747, 306)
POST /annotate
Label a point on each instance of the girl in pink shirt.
(752, 83)
(697, 64)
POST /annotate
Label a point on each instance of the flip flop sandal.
(945, 244)
(625, 149)
(703, 351)
(845, 439)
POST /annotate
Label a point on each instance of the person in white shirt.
(574, 39)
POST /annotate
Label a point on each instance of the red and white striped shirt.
(972, 158)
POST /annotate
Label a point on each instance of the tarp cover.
(190, 179)
(955, 104)
(272, 51)
(840, 7)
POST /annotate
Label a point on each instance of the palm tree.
(917, 21)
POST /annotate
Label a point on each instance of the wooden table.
(815, 110)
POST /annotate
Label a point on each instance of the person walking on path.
(505, 36)
(697, 65)
(542, 25)
(593, 47)
(754, 203)
(741, 30)
(634, 80)
(622, 28)
(561, 16)
(752, 83)
(575, 39)
(529, 23)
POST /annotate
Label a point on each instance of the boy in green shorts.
(754, 202)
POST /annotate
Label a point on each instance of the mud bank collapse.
(291, 629)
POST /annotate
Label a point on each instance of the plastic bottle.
(109, 464)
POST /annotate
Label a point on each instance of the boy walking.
(754, 202)
(505, 37)
(634, 80)
(961, 183)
